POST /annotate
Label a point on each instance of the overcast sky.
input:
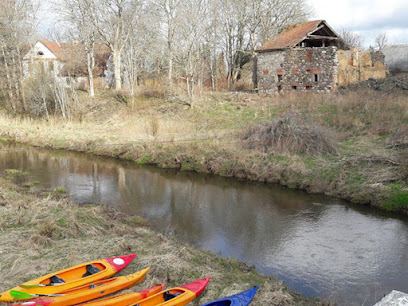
(368, 17)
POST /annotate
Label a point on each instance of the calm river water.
(319, 246)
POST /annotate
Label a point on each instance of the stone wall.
(356, 66)
(300, 69)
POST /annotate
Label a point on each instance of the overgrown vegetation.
(44, 234)
(291, 133)
(349, 144)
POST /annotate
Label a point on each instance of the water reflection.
(319, 246)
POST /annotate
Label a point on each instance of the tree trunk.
(8, 77)
(190, 89)
(171, 69)
(91, 65)
(20, 79)
(117, 67)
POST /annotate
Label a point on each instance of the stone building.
(312, 57)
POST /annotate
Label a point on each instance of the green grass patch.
(398, 198)
(31, 184)
(60, 190)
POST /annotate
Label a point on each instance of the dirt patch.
(292, 133)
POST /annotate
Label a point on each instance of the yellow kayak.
(67, 279)
(90, 291)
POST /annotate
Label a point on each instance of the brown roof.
(75, 60)
(292, 36)
(74, 57)
(53, 47)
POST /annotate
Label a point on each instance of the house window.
(40, 53)
(294, 87)
(316, 78)
(280, 78)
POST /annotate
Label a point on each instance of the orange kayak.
(70, 278)
(179, 296)
(126, 299)
(90, 291)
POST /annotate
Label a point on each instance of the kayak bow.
(178, 296)
(240, 299)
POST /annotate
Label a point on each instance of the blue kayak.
(240, 299)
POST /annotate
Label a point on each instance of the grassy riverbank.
(41, 233)
(368, 163)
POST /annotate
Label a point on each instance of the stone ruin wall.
(300, 69)
(316, 69)
(356, 66)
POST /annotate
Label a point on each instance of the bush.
(47, 95)
(292, 133)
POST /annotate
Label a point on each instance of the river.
(319, 246)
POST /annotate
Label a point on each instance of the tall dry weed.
(357, 112)
(292, 133)
(154, 126)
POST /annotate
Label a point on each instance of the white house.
(43, 56)
(66, 60)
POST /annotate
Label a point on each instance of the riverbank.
(42, 232)
(368, 128)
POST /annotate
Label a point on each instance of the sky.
(366, 17)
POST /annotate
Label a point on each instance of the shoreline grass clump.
(291, 133)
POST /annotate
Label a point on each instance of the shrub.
(292, 133)
(47, 95)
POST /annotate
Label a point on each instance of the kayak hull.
(126, 299)
(90, 291)
(73, 277)
(178, 296)
(240, 299)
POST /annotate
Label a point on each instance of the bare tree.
(112, 19)
(352, 39)
(192, 28)
(78, 13)
(169, 10)
(140, 44)
(381, 41)
(276, 14)
(17, 24)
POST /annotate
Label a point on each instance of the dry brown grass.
(356, 112)
(292, 133)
